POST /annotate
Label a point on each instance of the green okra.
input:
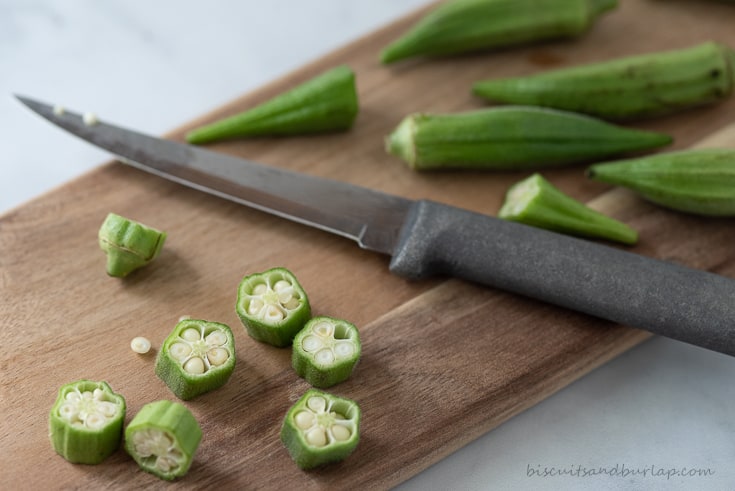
(321, 428)
(536, 202)
(326, 351)
(162, 439)
(700, 181)
(641, 86)
(197, 357)
(512, 138)
(86, 422)
(272, 306)
(129, 245)
(327, 102)
(459, 26)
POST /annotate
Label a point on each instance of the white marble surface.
(152, 65)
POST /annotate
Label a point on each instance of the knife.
(426, 238)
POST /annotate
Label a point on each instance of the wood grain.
(443, 361)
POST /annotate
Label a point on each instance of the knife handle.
(685, 304)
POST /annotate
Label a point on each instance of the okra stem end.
(401, 142)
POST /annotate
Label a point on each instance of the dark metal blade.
(371, 218)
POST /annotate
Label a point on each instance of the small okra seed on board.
(140, 345)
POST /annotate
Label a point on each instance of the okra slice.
(162, 438)
(198, 356)
(321, 428)
(129, 245)
(86, 422)
(325, 351)
(536, 202)
(272, 306)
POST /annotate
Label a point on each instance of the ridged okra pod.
(641, 86)
(326, 351)
(128, 244)
(512, 138)
(162, 439)
(536, 202)
(459, 26)
(327, 102)
(86, 422)
(321, 428)
(197, 357)
(700, 181)
(272, 306)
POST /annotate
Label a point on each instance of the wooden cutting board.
(443, 362)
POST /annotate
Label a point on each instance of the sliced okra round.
(86, 422)
(272, 306)
(321, 428)
(162, 438)
(325, 351)
(198, 356)
(129, 245)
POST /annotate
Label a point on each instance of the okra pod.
(321, 428)
(326, 351)
(162, 439)
(86, 422)
(129, 245)
(536, 202)
(641, 86)
(459, 26)
(700, 181)
(327, 102)
(511, 138)
(197, 357)
(272, 306)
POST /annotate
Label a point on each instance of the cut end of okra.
(326, 351)
(129, 245)
(197, 357)
(536, 202)
(162, 439)
(86, 421)
(272, 306)
(321, 428)
(401, 142)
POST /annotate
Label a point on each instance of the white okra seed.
(216, 338)
(344, 349)
(195, 365)
(304, 419)
(316, 437)
(325, 356)
(311, 343)
(340, 433)
(191, 334)
(90, 119)
(292, 304)
(324, 329)
(317, 404)
(140, 345)
(260, 289)
(179, 351)
(281, 285)
(273, 314)
(217, 356)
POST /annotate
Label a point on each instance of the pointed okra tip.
(401, 141)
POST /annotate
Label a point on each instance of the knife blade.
(426, 238)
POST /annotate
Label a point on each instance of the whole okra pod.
(647, 85)
(700, 181)
(512, 138)
(536, 202)
(327, 102)
(459, 26)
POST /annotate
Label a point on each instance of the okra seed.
(324, 356)
(292, 304)
(282, 285)
(191, 334)
(344, 349)
(340, 433)
(73, 396)
(260, 289)
(311, 343)
(195, 365)
(304, 420)
(316, 404)
(216, 338)
(217, 356)
(140, 345)
(316, 437)
(180, 351)
(273, 313)
(324, 329)
(156, 443)
(95, 421)
(256, 305)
